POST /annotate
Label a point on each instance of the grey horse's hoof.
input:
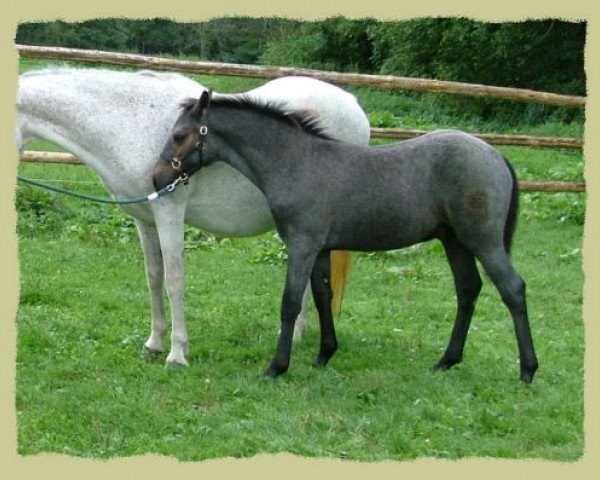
(150, 354)
(176, 363)
(175, 367)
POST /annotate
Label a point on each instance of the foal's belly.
(383, 229)
(390, 240)
(226, 203)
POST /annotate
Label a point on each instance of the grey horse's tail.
(513, 209)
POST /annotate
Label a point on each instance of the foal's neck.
(263, 146)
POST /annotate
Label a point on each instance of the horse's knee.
(290, 309)
(513, 292)
(175, 282)
(470, 291)
(155, 279)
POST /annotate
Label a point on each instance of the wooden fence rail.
(491, 138)
(525, 185)
(353, 79)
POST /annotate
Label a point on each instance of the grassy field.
(84, 389)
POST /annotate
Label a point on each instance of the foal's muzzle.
(177, 170)
(164, 174)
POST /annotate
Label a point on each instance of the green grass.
(84, 389)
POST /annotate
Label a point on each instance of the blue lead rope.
(153, 196)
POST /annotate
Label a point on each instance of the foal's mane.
(303, 120)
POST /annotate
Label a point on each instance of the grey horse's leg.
(300, 264)
(155, 275)
(511, 287)
(321, 290)
(169, 219)
(467, 283)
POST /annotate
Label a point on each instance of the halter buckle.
(175, 163)
(203, 130)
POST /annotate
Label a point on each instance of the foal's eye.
(178, 137)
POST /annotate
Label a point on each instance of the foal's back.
(394, 196)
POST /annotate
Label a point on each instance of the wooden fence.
(352, 79)
(349, 79)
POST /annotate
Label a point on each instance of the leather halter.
(177, 161)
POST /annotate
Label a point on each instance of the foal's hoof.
(324, 356)
(320, 362)
(275, 370)
(527, 377)
(446, 363)
(528, 373)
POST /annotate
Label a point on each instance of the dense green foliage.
(237, 39)
(543, 55)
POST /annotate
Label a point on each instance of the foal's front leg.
(300, 264)
(302, 320)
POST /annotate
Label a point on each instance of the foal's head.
(182, 155)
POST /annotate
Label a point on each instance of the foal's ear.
(202, 103)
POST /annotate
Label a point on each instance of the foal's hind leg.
(468, 285)
(321, 289)
(512, 290)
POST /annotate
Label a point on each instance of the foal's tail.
(340, 267)
(513, 208)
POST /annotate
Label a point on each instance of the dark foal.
(326, 195)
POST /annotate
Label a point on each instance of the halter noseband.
(177, 161)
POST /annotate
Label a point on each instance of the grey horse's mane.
(303, 119)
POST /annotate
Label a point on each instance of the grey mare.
(325, 194)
